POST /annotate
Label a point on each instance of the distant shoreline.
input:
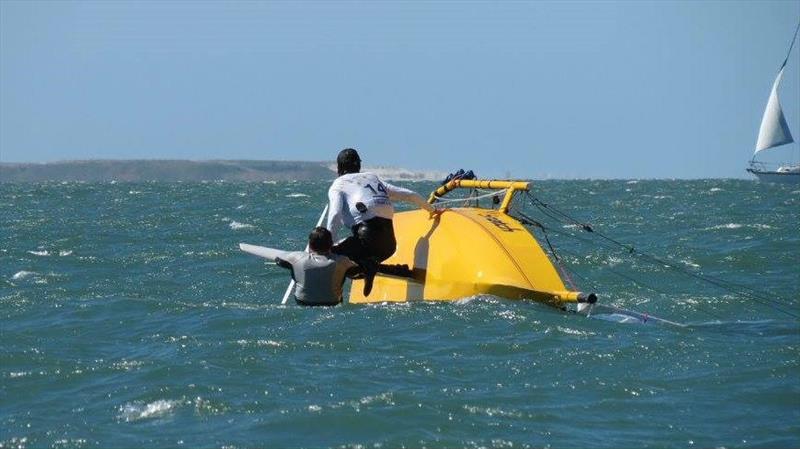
(104, 170)
(177, 170)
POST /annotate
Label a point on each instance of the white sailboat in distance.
(774, 132)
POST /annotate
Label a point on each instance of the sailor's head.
(348, 162)
(320, 240)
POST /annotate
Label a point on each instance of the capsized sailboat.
(774, 132)
(468, 251)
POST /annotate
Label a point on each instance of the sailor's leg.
(355, 247)
(352, 247)
(377, 237)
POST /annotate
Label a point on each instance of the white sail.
(774, 130)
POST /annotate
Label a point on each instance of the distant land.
(184, 170)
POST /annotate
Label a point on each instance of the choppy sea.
(129, 318)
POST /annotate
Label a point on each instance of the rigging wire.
(655, 260)
(742, 291)
(756, 296)
(527, 220)
(791, 45)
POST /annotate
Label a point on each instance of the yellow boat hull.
(466, 252)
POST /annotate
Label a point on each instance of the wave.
(738, 226)
(236, 225)
(260, 342)
(22, 274)
(690, 263)
(45, 253)
(138, 410)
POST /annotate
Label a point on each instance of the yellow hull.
(466, 252)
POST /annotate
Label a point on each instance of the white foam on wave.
(127, 365)
(40, 253)
(22, 274)
(509, 315)
(272, 343)
(138, 410)
(633, 181)
(738, 226)
(715, 189)
(727, 226)
(383, 398)
(491, 411)
(297, 195)
(690, 263)
(570, 331)
(69, 442)
(16, 442)
(236, 225)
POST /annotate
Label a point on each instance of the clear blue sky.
(531, 89)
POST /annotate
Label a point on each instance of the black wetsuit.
(372, 240)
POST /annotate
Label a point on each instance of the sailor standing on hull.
(363, 203)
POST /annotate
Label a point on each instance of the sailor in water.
(363, 203)
(319, 273)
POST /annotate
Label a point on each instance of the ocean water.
(129, 318)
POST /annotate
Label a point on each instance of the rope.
(637, 282)
(790, 47)
(740, 290)
(645, 286)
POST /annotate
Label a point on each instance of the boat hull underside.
(462, 253)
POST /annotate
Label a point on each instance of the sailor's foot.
(370, 270)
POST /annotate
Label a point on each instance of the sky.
(511, 89)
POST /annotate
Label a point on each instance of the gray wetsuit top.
(319, 277)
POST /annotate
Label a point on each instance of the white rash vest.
(376, 196)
